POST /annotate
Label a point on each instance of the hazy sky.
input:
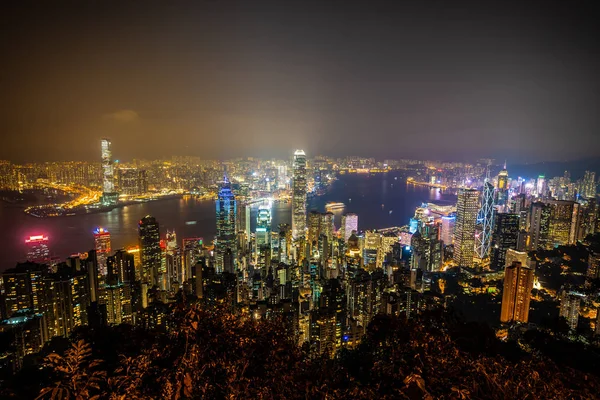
(432, 79)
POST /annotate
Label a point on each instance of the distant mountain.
(556, 168)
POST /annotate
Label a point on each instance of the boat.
(334, 206)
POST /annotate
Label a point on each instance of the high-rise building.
(564, 222)
(588, 187)
(263, 226)
(150, 251)
(192, 252)
(102, 247)
(467, 207)
(108, 185)
(503, 178)
(516, 294)
(485, 222)
(447, 229)
(225, 244)
(541, 187)
(539, 226)
(570, 302)
(349, 225)
(505, 236)
(299, 195)
(37, 249)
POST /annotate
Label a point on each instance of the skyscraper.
(505, 236)
(447, 229)
(349, 225)
(485, 222)
(108, 185)
(102, 247)
(299, 195)
(263, 226)
(570, 301)
(539, 226)
(225, 244)
(516, 294)
(37, 249)
(588, 187)
(564, 222)
(467, 207)
(151, 253)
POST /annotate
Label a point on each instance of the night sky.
(215, 79)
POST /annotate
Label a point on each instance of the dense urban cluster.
(520, 254)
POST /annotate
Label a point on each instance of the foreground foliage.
(213, 354)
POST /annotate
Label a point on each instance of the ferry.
(334, 206)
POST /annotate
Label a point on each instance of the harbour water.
(380, 200)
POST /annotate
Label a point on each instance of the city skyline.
(382, 79)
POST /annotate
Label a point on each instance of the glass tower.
(225, 244)
(464, 229)
(151, 253)
(299, 195)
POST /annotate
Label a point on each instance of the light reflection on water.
(74, 234)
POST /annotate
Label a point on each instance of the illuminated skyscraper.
(37, 249)
(108, 185)
(570, 302)
(149, 237)
(225, 244)
(503, 179)
(564, 222)
(349, 225)
(447, 232)
(516, 294)
(299, 195)
(263, 226)
(467, 207)
(192, 252)
(588, 187)
(541, 186)
(539, 226)
(505, 236)
(102, 247)
(485, 221)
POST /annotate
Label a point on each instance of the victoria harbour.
(383, 200)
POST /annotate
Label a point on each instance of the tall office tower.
(263, 227)
(192, 252)
(23, 288)
(502, 194)
(349, 225)
(541, 187)
(37, 249)
(150, 251)
(588, 189)
(109, 196)
(564, 222)
(485, 222)
(225, 244)
(173, 258)
(503, 178)
(328, 226)
(282, 179)
(539, 226)
(516, 294)
(569, 307)
(108, 185)
(102, 247)
(121, 268)
(243, 224)
(447, 229)
(299, 195)
(372, 243)
(314, 227)
(505, 236)
(467, 207)
(586, 224)
(285, 243)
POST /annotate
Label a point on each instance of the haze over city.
(299, 200)
(220, 79)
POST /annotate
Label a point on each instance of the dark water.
(372, 197)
